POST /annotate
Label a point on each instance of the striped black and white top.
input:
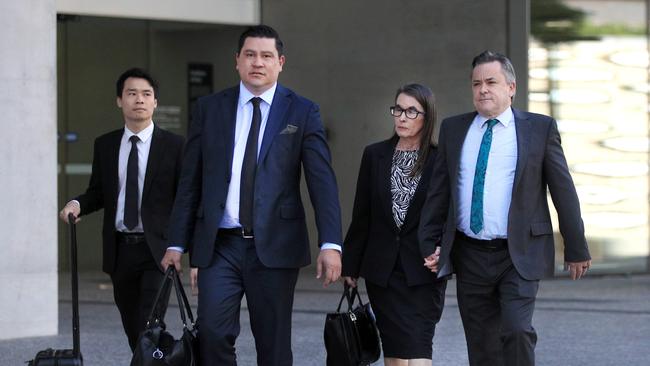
(402, 184)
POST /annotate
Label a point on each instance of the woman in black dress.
(381, 244)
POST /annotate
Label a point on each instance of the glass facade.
(588, 68)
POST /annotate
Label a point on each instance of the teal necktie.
(476, 219)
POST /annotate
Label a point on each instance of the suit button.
(397, 238)
(222, 206)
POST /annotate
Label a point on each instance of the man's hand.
(71, 207)
(194, 278)
(577, 269)
(351, 281)
(431, 262)
(172, 258)
(329, 264)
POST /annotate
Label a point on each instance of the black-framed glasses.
(411, 113)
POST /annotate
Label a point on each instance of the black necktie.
(249, 166)
(131, 196)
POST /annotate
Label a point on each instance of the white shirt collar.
(143, 135)
(245, 95)
(504, 118)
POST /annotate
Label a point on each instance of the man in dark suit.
(239, 204)
(134, 178)
(487, 207)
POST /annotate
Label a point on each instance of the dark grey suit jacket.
(160, 182)
(541, 166)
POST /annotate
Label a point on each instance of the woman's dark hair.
(427, 100)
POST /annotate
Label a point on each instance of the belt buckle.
(244, 235)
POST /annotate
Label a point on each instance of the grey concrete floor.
(595, 321)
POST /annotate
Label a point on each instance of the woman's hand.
(431, 262)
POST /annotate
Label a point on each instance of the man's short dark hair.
(261, 31)
(135, 73)
(506, 65)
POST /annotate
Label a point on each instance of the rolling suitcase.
(66, 357)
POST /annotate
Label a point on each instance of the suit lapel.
(279, 108)
(156, 152)
(384, 167)
(113, 151)
(226, 129)
(523, 130)
(455, 146)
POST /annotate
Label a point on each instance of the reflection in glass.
(589, 70)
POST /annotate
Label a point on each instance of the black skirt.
(407, 315)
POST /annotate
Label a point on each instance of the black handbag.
(351, 337)
(156, 346)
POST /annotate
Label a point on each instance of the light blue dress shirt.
(499, 176)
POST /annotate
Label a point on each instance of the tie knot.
(492, 122)
(134, 139)
(256, 101)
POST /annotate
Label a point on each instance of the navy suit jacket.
(541, 167)
(160, 183)
(294, 139)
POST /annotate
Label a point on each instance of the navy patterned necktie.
(131, 195)
(249, 167)
(476, 218)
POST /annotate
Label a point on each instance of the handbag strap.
(345, 295)
(154, 317)
(183, 303)
(355, 294)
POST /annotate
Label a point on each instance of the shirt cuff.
(331, 246)
(176, 249)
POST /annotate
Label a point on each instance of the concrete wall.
(28, 264)
(206, 11)
(351, 56)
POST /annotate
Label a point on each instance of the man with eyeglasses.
(487, 208)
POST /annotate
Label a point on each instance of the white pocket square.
(289, 130)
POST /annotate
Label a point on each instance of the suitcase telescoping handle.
(75, 285)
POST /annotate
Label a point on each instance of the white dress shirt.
(243, 122)
(143, 157)
(499, 176)
(242, 127)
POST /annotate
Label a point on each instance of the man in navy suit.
(239, 210)
(487, 208)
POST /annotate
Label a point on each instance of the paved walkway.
(595, 321)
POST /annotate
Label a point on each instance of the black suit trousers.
(136, 281)
(496, 306)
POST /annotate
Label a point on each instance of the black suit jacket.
(161, 178)
(541, 167)
(373, 242)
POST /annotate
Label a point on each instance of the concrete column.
(28, 176)
(517, 47)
